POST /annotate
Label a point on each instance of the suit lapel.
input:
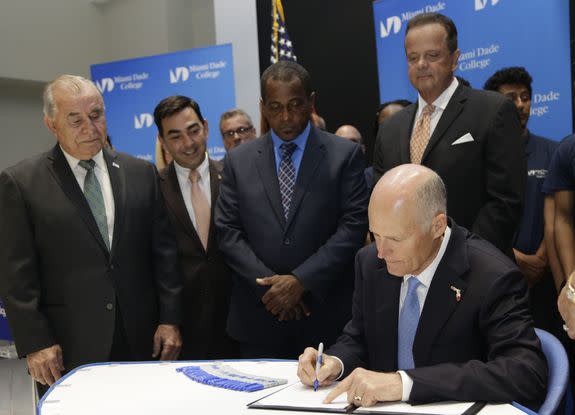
(61, 171)
(441, 299)
(405, 133)
(451, 112)
(175, 201)
(313, 155)
(118, 182)
(387, 314)
(215, 179)
(265, 162)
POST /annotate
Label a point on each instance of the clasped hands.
(284, 297)
(363, 387)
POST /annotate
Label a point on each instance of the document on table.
(298, 397)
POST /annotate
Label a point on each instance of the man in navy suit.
(291, 215)
(438, 313)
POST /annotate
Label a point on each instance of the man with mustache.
(470, 138)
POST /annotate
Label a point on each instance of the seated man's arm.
(515, 368)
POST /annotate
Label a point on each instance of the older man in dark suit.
(87, 255)
(438, 313)
(291, 216)
(190, 186)
(471, 138)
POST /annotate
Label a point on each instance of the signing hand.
(46, 365)
(285, 293)
(366, 388)
(567, 310)
(167, 339)
(329, 371)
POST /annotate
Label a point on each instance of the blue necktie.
(93, 193)
(286, 175)
(407, 326)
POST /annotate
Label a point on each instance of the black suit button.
(109, 306)
(287, 241)
(111, 267)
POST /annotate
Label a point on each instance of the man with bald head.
(349, 132)
(88, 266)
(438, 313)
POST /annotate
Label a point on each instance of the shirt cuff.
(407, 384)
(341, 364)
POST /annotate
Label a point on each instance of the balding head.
(407, 215)
(349, 132)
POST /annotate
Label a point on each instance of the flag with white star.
(282, 48)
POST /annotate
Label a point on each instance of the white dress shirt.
(424, 278)
(101, 171)
(440, 104)
(185, 183)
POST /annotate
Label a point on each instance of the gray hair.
(74, 83)
(234, 112)
(430, 199)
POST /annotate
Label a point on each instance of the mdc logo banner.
(105, 85)
(480, 4)
(138, 85)
(487, 45)
(392, 25)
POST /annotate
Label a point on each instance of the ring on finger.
(357, 398)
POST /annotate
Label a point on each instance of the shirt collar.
(427, 274)
(442, 100)
(300, 141)
(203, 169)
(73, 161)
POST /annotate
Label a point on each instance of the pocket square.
(463, 139)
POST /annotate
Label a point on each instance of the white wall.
(236, 23)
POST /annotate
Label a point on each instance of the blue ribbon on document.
(224, 376)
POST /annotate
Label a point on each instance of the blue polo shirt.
(562, 168)
(539, 152)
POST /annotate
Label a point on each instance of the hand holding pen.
(327, 371)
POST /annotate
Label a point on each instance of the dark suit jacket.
(206, 277)
(484, 178)
(327, 224)
(58, 281)
(481, 348)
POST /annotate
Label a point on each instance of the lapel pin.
(457, 292)
(116, 165)
(219, 177)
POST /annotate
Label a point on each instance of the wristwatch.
(570, 291)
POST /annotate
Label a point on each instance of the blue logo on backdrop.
(134, 87)
(489, 41)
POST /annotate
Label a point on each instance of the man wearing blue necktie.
(291, 215)
(438, 313)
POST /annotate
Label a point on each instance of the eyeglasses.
(241, 132)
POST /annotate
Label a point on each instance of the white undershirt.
(101, 171)
(440, 104)
(185, 183)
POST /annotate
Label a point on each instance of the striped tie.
(93, 193)
(286, 175)
(420, 135)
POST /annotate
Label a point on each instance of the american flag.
(282, 48)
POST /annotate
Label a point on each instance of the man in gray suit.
(291, 216)
(87, 254)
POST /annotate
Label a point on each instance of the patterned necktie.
(201, 208)
(287, 175)
(407, 326)
(420, 135)
(93, 193)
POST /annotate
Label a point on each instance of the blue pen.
(318, 362)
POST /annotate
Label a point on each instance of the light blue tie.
(93, 193)
(407, 326)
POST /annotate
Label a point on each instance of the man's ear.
(50, 125)
(206, 127)
(439, 224)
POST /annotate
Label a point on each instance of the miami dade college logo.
(393, 23)
(105, 85)
(143, 120)
(180, 74)
(481, 4)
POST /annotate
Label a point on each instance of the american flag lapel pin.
(457, 292)
(116, 165)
